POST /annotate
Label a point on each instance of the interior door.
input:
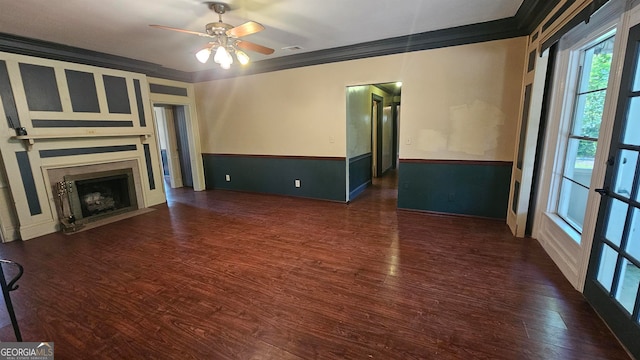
(614, 267)
(183, 145)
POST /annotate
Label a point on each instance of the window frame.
(573, 71)
(570, 52)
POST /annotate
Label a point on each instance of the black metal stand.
(6, 288)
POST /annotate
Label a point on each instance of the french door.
(613, 277)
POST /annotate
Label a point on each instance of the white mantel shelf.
(29, 140)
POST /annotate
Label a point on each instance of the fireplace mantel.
(29, 140)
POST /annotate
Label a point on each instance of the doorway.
(613, 277)
(373, 115)
(173, 138)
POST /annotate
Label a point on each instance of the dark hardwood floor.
(229, 275)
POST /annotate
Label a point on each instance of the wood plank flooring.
(229, 275)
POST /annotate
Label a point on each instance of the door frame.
(175, 170)
(395, 141)
(627, 330)
(376, 131)
(179, 116)
(191, 117)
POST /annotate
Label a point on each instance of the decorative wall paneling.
(72, 115)
(168, 90)
(320, 177)
(359, 174)
(475, 188)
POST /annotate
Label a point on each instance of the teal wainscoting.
(320, 177)
(359, 174)
(475, 188)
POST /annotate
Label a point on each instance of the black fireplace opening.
(98, 196)
(101, 194)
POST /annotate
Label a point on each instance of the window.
(592, 74)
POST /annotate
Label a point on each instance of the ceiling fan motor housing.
(217, 28)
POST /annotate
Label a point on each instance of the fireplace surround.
(93, 193)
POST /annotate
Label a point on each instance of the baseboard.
(357, 191)
(157, 198)
(32, 231)
(9, 234)
(439, 213)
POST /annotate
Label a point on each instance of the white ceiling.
(120, 27)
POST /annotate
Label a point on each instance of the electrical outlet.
(297, 183)
(227, 178)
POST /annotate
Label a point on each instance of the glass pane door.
(613, 278)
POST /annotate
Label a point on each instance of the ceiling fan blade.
(248, 28)
(181, 30)
(246, 45)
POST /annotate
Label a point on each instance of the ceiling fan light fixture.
(230, 50)
(221, 55)
(243, 58)
(224, 39)
(203, 55)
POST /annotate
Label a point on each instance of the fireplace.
(89, 195)
(96, 195)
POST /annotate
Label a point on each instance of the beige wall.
(458, 103)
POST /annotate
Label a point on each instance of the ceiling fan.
(225, 39)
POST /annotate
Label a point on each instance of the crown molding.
(530, 14)
(461, 35)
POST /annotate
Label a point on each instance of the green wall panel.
(359, 174)
(320, 178)
(455, 188)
